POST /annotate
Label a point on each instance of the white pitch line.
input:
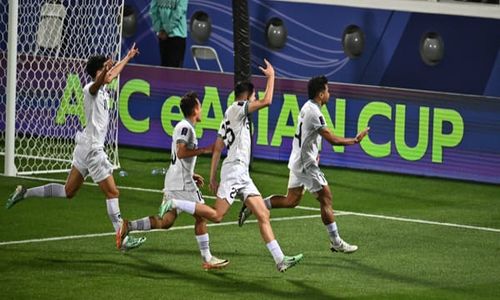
(419, 221)
(401, 219)
(95, 184)
(83, 236)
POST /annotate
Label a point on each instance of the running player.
(182, 183)
(89, 157)
(303, 163)
(235, 179)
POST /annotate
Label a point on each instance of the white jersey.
(307, 139)
(179, 176)
(97, 115)
(235, 131)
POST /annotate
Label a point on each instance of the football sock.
(333, 233)
(140, 224)
(187, 206)
(114, 212)
(203, 244)
(45, 191)
(267, 202)
(275, 250)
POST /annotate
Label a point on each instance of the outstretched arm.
(337, 140)
(184, 152)
(118, 68)
(101, 78)
(268, 96)
(218, 146)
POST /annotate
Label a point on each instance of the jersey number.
(228, 134)
(298, 135)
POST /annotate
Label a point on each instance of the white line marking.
(419, 221)
(83, 236)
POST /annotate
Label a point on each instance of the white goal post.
(44, 45)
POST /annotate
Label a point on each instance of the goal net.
(54, 40)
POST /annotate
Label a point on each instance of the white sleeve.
(86, 91)
(182, 135)
(222, 129)
(317, 120)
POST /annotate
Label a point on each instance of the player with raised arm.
(234, 134)
(182, 183)
(303, 163)
(89, 157)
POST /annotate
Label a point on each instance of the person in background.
(169, 22)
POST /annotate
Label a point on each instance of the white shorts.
(236, 182)
(193, 196)
(311, 178)
(93, 162)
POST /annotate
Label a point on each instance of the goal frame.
(10, 155)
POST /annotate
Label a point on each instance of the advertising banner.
(413, 132)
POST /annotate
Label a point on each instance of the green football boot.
(15, 197)
(288, 262)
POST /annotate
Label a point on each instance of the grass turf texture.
(396, 259)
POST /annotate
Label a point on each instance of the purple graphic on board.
(413, 132)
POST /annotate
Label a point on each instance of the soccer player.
(234, 134)
(182, 183)
(89, 157)
(303, 163)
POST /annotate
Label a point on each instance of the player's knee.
(293, 201)
(70, 193)
(217, 218)
(165, 225)
(262, 216)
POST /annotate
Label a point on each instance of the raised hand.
(108, 64)
(133, 52)
(269, 70)
(361, 135)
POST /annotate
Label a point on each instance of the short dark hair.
(188, 103)
(243, 87)
(94, 63)
(316, 85)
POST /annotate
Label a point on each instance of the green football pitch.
(418, 238)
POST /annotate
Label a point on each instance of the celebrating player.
(181, 182)
(303, 163)
(89, 157)
(234, 133)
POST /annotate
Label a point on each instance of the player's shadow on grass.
(218, 281)
(221, 281)
(194, 253)
(360, 267)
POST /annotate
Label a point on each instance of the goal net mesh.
(55, 38)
